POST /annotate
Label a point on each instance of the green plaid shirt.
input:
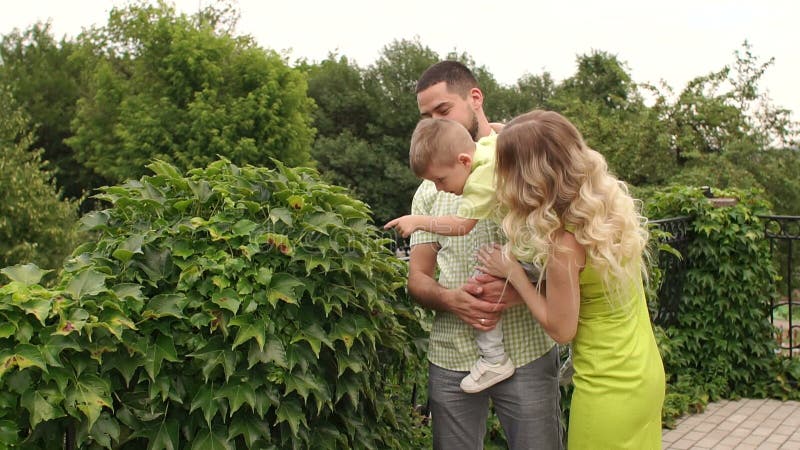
(452, 342)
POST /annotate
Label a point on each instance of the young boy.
(443, 152)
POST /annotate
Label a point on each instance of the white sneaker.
(485, 374)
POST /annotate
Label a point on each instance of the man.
(527, 404)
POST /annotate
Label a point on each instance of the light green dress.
(619, 376)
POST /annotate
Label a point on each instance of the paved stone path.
(738, 424)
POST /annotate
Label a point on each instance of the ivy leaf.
(115, 322)
(26, 274)
(54, 344)
(128, 290)
(19, 382)
(321, 221)
(163, 349)
(43, 404)
(201, 189)
(75, 322)
(154, 263)
(313, 260)
(315, 336)
(282, 288)
(165, 436)
(213, 440)
(250, 428)
(165, 169)
(129, 247)
(349, 385)
(189, 276)
(89, 395)
(345, 331)
(244, 227)
(291, 412)
(281, 214)
(23, 356)
(238, 393)
(164, 305)
(350, 361)
(273, 352)
(88, 282)
(207, 402)
(249, 328)
(124, 363)
(264, 276)
(40, 308)
(305, 384)
(214, 354)
(228, 299)
(9, 433)
(7, 329)
(105, 430)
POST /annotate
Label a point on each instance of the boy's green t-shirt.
(478, 198)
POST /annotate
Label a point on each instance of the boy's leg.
(458, 419)
(493, 366)
(527, 404)
(490, 343)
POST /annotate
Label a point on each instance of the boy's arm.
(443, 225)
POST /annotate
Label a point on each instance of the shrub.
(233, 307)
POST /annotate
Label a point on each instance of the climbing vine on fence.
(722, 343)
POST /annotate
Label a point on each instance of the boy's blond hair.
(437, 141)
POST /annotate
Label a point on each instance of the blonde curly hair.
(548, 179)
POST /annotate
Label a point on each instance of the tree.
(46, 77)
(337, 87)
(36, 224)
(185, 90)
(609, 110)
(725, 132)
(364, 134)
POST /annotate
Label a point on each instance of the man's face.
(448, 177)
(438, 102)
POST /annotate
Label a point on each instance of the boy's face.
(449, 177)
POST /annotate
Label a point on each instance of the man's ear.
(476, 98)
(465, 159)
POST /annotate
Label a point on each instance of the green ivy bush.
(228, 308)
(722, 343)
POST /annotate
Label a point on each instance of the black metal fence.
(673, 267)
(782, 232)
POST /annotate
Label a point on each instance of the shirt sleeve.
(422, 205)
(477, 200)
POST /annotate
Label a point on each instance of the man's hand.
(428, 293)
(480, 314)
(492, 290)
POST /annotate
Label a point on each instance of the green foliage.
(365, 118)
(722, 344)
(369, 170)
(45, 77)
(36, 224)
(232, 307)
(183, 89)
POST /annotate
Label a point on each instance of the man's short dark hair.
(457, 76)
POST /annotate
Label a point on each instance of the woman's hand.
(493, 262)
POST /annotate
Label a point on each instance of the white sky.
(674, 41)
